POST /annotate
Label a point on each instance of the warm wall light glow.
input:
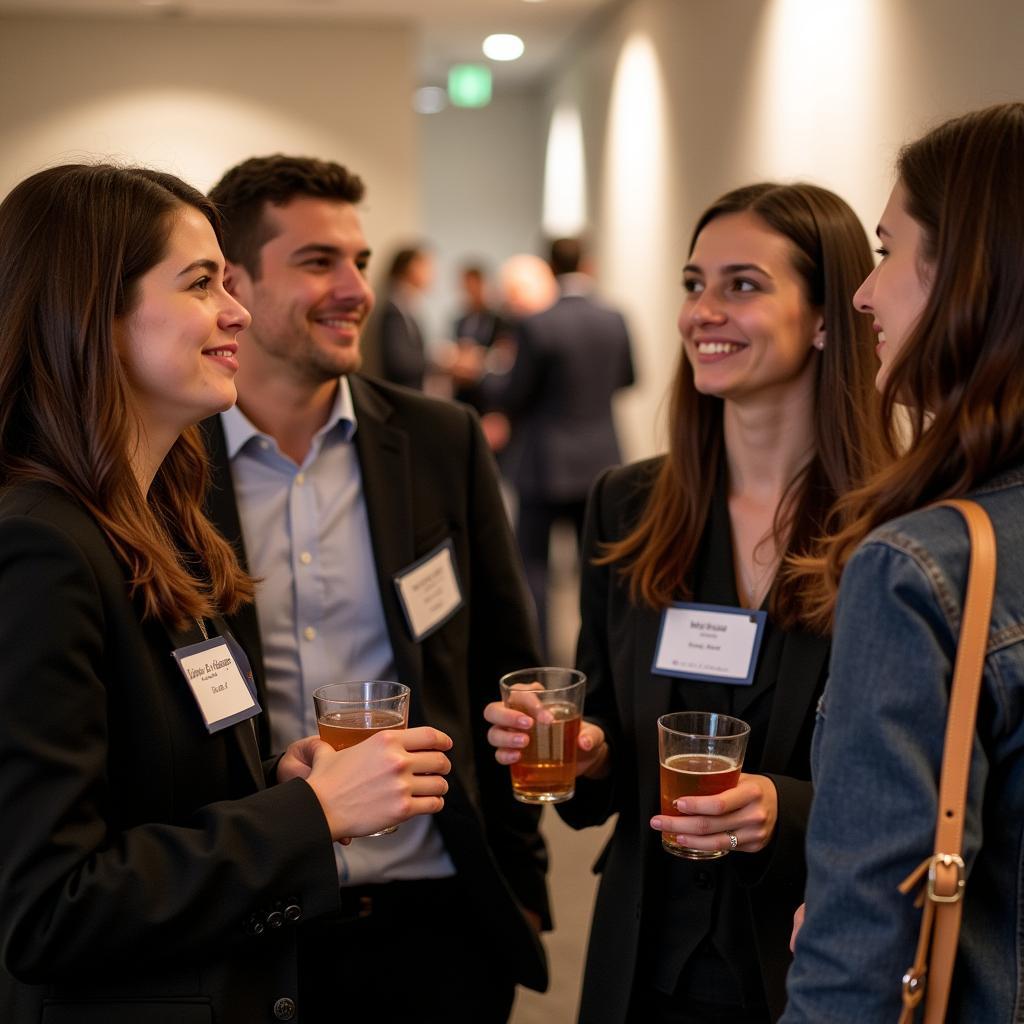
(565, 179)
(635, 262)
(503, 46)
(635, 199)
(815, 92)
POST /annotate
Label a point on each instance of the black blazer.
(403, 358)
(141, 858)
(428, 476)
(616, 650)
(570, 359)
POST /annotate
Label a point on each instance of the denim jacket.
(876, 757)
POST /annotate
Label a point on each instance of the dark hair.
(565, 256)
(830, 252)
(243, 193)
(959, 370)
(74, 242)
(403, 260)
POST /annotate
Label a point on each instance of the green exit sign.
(469, 85)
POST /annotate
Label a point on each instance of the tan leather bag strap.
(943, 894)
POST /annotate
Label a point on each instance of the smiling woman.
(768, 425)
(144, 848)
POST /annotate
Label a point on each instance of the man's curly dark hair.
(244, 192)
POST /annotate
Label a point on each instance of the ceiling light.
(430, 99)
(503, 47)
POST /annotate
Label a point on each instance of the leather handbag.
(941, 877)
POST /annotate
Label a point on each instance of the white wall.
(681, 101)
(482, 173)
(195, 97)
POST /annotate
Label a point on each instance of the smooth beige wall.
(683, 100)
(195, 97)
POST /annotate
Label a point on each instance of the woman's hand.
(510, 733)
(383, 781)
(749, 812)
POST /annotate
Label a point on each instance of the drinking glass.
(553, 697)
(348, 713)
(701, 752)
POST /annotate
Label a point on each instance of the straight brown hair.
(831, 253)
(74, 242)
(959, 371)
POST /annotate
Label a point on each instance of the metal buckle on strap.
(947, 860)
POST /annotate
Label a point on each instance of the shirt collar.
(239, 430)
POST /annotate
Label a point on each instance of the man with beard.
(373, 519)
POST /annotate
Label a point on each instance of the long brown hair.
(831, 254)
(959, 371)
(74, 242)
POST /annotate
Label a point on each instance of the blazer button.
(275, 919)
(292, 912)
(703, 879)
(284, 1008)
(253, 925)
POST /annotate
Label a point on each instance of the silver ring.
(733, 841)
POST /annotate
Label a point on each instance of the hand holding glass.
(348, 713)
(701, 753)
(553, 697)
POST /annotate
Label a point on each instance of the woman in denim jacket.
(947, 300)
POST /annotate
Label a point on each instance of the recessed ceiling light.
(431, 99)
(503, 47)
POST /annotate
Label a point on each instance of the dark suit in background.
(480, 327)
(570, 360)
(402, 355)
(427, 476)
(147, 873)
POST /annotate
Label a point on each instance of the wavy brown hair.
(74, 242)
(959, 371)
(831, 254)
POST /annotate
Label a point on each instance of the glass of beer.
(348, 713)
(553, 697)
(701, 753)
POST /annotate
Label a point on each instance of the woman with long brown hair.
(149, 867)
(947, 303)
(768, 425)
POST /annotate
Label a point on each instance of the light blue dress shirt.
(307, 538)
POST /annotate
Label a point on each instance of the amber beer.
(546, 769)
(553, 697)
(344, 729)
(348, 713)
(701, 753)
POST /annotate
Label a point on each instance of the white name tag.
(429, 591)
(709, 642)
(221, 682)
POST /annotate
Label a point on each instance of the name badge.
(709, 642)
(220, 678)
(429, 591)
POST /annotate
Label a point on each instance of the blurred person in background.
(402, 350)
(570, 359)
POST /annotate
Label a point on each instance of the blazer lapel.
(651, 699)
(222, 510)
(384, 463)
(244, 734)
(803, 660)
